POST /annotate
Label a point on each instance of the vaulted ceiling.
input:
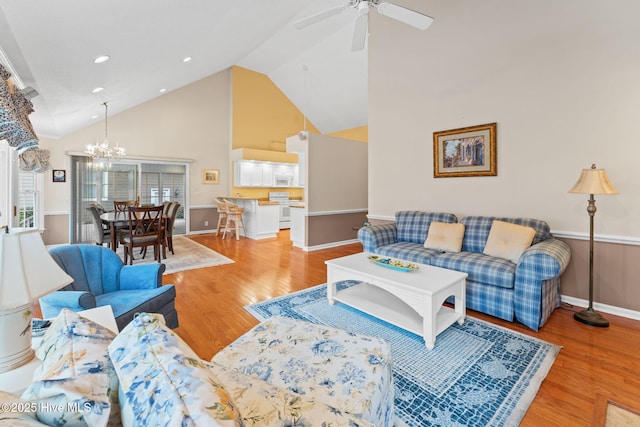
(52, 45)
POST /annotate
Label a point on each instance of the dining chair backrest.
(146, 221)
(102, 231)
(122, 206)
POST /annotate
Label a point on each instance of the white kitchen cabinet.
(249, 173)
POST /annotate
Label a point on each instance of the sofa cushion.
(163, 382)
(413, 226)
(445, 237)
(481, 268)
(413, 252)
(477, 230)
(508, 241)
(76, 374)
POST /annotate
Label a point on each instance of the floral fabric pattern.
(76, 385)
(340, 369)
(163, 382)
(265, 405)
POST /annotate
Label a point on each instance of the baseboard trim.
(326, 245)
(616, 311)
(201, 231)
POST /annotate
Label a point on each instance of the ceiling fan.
(399, 13)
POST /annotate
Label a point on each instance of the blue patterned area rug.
(478, 374)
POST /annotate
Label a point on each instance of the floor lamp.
(592, 181)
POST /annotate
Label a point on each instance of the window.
(21, 197)
(27, 200)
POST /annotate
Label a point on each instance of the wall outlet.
(206, 223)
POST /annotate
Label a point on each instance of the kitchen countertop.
(297, 203)
(261, 200)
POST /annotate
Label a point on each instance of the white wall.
(192, 122)
(560, 78)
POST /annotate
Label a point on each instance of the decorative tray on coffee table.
(393, 264)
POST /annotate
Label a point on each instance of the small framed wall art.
(210, 176)
(469, 151)
(59, 175)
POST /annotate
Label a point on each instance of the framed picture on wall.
(210, 176)
(469, 151)
(59, 175)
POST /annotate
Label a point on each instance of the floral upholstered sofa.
(147, 376)
(513, 264)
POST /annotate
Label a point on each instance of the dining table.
(117, 220)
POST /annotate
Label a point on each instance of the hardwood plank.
(593, 364)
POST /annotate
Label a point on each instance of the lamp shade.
(593, 181)
(27, 271)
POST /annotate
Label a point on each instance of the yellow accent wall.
(262, 119)
(356, 134)
(262, 116)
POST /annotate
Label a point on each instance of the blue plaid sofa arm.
(374, 236)
(537, 284)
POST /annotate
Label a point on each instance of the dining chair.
(234, 219)
(121, 206)
(222, 215)
(103, 233)
(170, 212)
(146, 228)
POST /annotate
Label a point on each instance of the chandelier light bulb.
(103, 150)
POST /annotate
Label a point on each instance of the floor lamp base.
(591, 318)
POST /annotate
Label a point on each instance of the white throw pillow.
(445, 237)
(508, 241)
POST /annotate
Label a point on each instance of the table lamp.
(27, 272)
(592, 181)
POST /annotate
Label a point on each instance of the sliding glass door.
(98, 183)
(101, 183)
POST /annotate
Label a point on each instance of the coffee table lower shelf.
(379, 303)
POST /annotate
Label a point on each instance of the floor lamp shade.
(592, 181)
(27, 272)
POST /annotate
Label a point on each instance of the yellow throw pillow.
(508, 241)
(445, 237)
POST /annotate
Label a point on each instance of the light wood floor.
(594, 364)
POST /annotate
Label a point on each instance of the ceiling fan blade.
(360, 32)
(304, 22)
(408, 16)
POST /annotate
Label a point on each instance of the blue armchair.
(100, 278)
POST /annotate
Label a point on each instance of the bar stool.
(234, 219)
(222, 215)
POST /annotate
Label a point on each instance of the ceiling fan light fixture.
(407, 16)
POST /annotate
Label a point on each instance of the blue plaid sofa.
(527, 291)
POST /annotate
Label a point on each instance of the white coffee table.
(410, 300)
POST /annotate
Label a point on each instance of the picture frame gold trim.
(463, 152)
(210, 176)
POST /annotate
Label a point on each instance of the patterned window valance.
(15, 125)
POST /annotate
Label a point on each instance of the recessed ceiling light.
(98, 89)
(100, 59)
(187, 59)
(95, 116)
(163, 90)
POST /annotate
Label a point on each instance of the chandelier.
(102, 150)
